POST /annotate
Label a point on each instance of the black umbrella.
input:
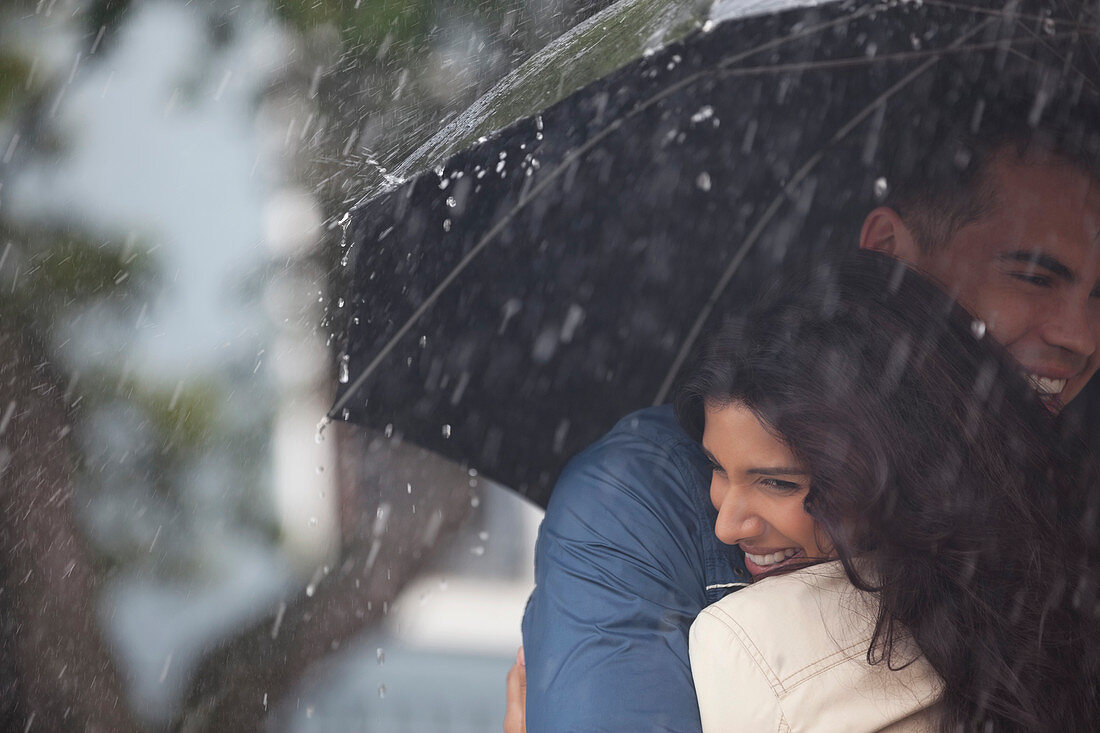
(509, 306)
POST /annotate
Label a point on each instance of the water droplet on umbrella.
(881, 188)
(705, 113)
(423, 341)
(446, 431)
(977, 327)
(451, 202)
(344, 371)
(388, 432)
(703, 181)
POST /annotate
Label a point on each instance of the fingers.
(515, 715)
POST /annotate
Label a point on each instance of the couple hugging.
(873, 506)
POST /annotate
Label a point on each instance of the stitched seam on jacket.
(754, 652)
(824, 664)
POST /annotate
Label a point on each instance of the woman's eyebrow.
(779, 471)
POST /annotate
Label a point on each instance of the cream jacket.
(789, 653)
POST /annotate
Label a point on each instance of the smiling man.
(1006, 217)
(1027, 262)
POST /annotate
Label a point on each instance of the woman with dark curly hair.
(923, 535)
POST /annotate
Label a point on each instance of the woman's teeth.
(1046, 385)
(771, 558)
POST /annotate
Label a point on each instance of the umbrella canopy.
(510, 305)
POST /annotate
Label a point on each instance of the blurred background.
(185, 546)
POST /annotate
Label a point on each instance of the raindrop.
(278, 622)
(475, 501)
(483, 536)
(388, 432)
(703, 181)
(500, 166)
(1048, 26)
(471, 472)
(477, 550)
(320, 470)
(704, 113)
(381, 692)
(265, 701)
(451, 202)
(319, 436)
(977, 327)
(309, 711)
(313, 521)
(423, 341)
(408, 488)
(446, 225)
(881, 189)
(310, 590)
(380, 655)
(446, 431)
(339, 302)
(344, 373)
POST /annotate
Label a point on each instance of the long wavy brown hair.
(931, 456)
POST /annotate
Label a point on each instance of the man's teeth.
(1046, 385)
(771, 558)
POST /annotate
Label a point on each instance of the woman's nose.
(737, 521)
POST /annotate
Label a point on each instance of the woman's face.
(758, 488)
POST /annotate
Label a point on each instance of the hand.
(515, 715)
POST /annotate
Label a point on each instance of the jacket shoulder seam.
(754, 651)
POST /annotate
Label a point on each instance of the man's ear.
(884, 231)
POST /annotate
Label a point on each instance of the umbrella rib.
(773, 207)
(526, 198)
(995, 12)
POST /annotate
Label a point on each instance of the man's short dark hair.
(938, 158)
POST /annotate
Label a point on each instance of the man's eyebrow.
(1037, 258)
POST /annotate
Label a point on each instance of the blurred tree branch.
(63, 675)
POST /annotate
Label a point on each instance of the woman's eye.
(715, 468)
(778, 485)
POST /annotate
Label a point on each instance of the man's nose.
(1072, 327)
(737, 519)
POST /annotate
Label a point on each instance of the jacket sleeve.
(619, 578)
(736, 689)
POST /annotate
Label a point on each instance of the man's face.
(1030, 269)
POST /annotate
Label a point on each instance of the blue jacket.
(626, 558)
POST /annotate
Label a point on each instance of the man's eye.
(1029, 277)
(715, 468)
